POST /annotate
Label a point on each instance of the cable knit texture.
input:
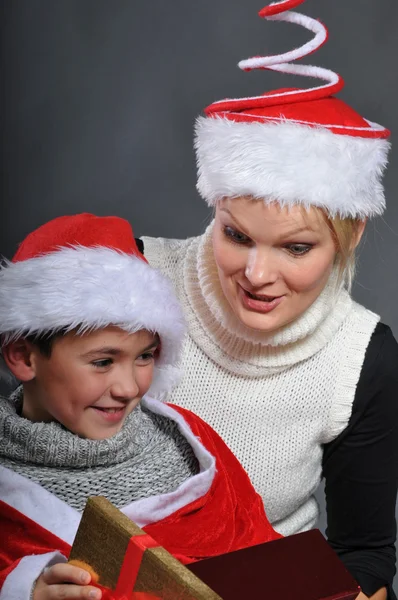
(275, 399)
(149, 456)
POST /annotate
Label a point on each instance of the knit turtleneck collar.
(241, 349)
(52, 445)
(123, 468)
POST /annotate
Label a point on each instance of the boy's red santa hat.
(293, 146)
(85, 272)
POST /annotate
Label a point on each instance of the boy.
(94, 335)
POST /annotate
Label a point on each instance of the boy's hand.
(67, 582)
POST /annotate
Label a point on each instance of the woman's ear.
(18, 358)
(360, 228)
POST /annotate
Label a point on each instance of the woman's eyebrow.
(299, 230)
(235, 220)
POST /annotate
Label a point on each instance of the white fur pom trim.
(291, 163)
(90, 288)
(19, 583)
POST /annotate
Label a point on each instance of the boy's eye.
(299, 249)
(235, 236)
(147, 356)
(103, 363)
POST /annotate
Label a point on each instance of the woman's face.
(272, 262)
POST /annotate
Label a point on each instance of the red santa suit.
(211, 513)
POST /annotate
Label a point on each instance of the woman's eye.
(235, 236)
(299, 249)
(103, 363)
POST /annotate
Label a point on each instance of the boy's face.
(91, 382)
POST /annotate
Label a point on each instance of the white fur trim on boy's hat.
(291, 163)
(91, 288)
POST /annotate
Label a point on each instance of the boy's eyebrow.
(103, 350)
(116, 351)
(156, 342)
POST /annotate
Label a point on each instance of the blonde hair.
(346, 235)
(345, 232)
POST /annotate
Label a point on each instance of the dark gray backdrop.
(99, 99)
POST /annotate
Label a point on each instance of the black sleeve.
(361, 471)
(140, 245)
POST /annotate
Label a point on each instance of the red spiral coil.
(280, 11)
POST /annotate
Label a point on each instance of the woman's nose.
(260, 268)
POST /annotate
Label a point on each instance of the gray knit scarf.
(149, 456)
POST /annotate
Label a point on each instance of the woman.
(298, 379)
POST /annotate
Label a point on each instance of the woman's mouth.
(259, 302)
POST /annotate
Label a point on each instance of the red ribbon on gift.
(129, 571)
(132, 562)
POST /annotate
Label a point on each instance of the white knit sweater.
(273, 399)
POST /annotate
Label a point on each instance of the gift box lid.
(299, 567)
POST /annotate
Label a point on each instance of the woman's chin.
(266, 323)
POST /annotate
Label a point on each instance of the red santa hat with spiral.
(293, 146)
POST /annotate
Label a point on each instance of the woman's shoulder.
(383, 335)
(375, 406)
(379, 374)
(381, 356)
(161, 252)
(372, 336)
(162, 244)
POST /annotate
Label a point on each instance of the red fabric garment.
(20, 536)
(228, 517)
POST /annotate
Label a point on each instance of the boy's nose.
(125, 388)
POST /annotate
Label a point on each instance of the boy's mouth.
(110, 414)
